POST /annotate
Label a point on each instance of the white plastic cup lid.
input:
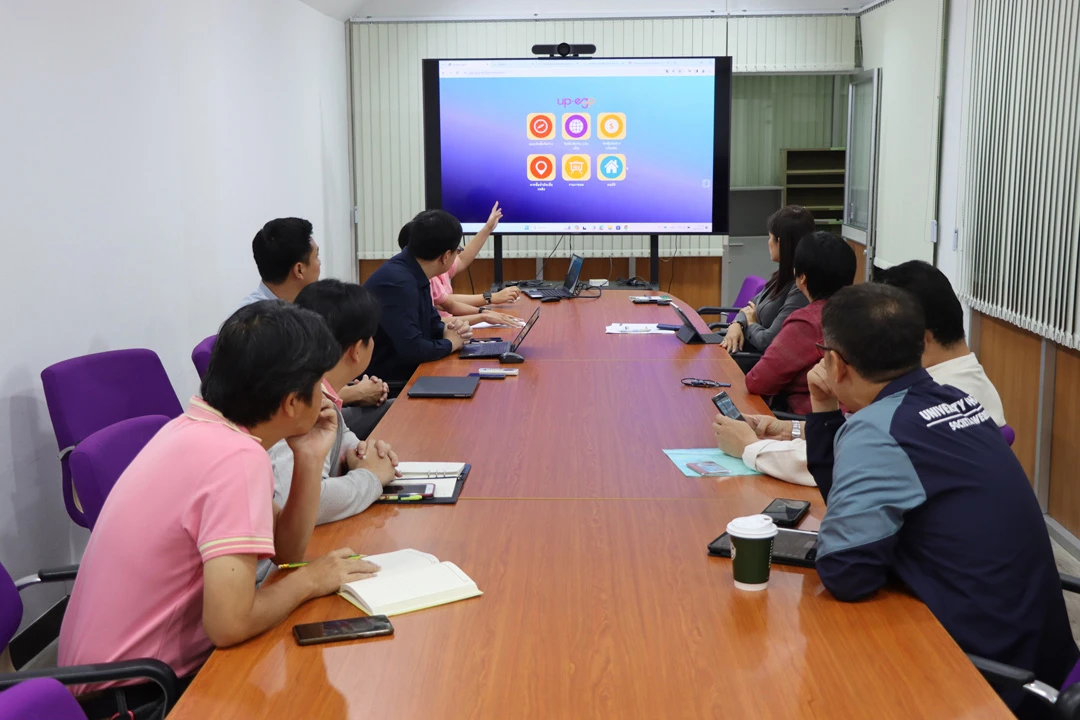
(752, 527)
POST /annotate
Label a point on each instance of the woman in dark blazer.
(759, 322)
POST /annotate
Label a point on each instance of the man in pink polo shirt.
(169, 572)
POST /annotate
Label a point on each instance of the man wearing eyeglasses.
(410, 329)
(920, 487)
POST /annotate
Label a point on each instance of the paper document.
(636, 329)
(683, 458)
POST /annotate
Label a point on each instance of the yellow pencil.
(290, 566)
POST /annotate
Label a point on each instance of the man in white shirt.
(777, 448)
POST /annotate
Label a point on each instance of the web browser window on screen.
(587, 145)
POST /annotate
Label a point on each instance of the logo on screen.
(541, 167)
(611, 126)
(611, 167)
(575, 126)
(576, 168)
(541, 126)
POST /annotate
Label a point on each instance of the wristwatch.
(481, 310)
(796, 429)
(487, 297)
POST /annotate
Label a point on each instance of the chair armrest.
(997, 673)
(713, 310)
(1070, 583)
(47, 575)
(144, 669)
(719, 326)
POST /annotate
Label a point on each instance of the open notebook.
(409, 580)
(443, 475)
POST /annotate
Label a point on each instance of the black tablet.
(431, 386)
(791, 547)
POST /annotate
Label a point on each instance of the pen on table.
(402, 498)
(290, 566)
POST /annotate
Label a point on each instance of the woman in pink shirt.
(471, 307)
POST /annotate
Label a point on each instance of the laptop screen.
(525, 331)
(574, 273)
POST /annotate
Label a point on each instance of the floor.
(1066, 564)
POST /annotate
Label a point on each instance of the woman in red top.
(823, 265)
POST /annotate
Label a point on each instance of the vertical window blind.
(1019, 214)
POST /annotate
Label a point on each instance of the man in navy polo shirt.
(410, 329)
(921, 487)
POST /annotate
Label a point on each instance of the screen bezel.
(572, 274)
(721, 141)
(525, 331)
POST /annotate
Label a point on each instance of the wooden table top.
(574, 329)
(600, 600)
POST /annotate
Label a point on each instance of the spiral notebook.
(448, 479)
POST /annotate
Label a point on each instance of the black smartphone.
(726, 406)
(336, 630)
(787, 513)
(422, 489)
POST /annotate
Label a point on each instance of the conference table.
(600, 600)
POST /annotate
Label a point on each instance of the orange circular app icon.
(541, 126)
(541, 166)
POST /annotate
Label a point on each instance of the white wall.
(142, 145)
(903, 38)
(952, 138)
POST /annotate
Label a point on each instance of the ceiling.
(523, 9)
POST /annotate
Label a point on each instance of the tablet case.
(431, 386)
(434, 500)
(721, 547)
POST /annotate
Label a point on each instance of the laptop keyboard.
(488, 349)
(559, 292)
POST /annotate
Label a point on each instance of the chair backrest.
(1009, 434)
(200, 356)
(11, 608)
(40, 698)
(751, 286)
(86, 394)
(98, 461)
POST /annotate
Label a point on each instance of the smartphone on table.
(708, 468)
(787, 513)
(424, 490)
(726, 406)
(337, 630)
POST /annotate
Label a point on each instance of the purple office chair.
(11, 609)
(751, 286)
(200, 356)
(1009, 434)
(40, 698)
(99, 460)
(86, 394)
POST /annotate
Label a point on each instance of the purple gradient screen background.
(668, 147)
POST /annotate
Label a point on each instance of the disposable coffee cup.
(751, 550)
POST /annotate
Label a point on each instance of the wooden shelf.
(814, 178)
